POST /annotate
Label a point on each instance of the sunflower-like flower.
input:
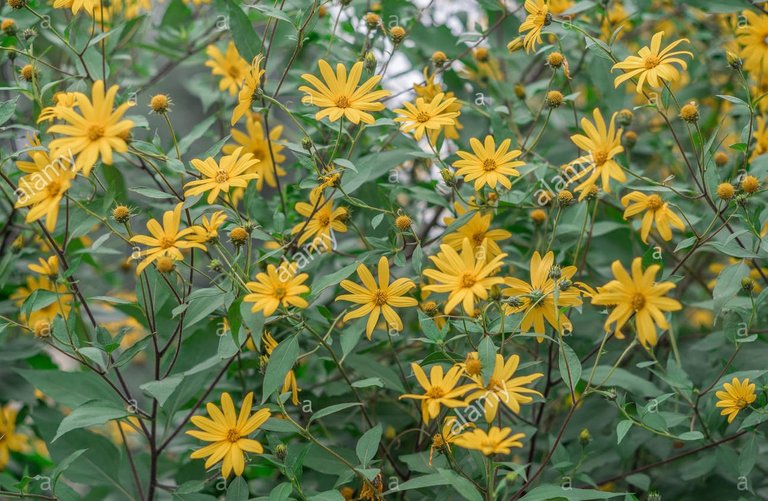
(339, 94)
(230, 172)
(439, 390)
(656, 211)
(42, 191)
(751, 36)
(639, 295)
(538, 17)
(503, 388)
(430, 116)
(228, 431)
(278, 286)
(465, 277)
(323, 219)
(653, 65)
(377, 298)
(230, 66)
(428, 90)
(247, 93)
(208, 230)
(11, 440)
(736, 395)
(603, 144)
(63, 100)
(477, 230)
(165, 240)
(494, 441)
(545, 296)
(255, 141)
(96, 131)
(488, 165)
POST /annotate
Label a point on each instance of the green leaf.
(486, 352)
(748, 456)
(161, 390)
(332, 409)
(368, 444)
(65, 463)
(624, 379)
(691, 435)
(728, 285)
(281, 492)
(570, 366)
(325, 281)
(7, 109)
(196, 132)
(245, 37)
(549, 492)
(237, 490)
(280, 362)
(91, 413)
(621, 430)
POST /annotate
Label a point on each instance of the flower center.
(380, 297)
(233, 436)
(423, 117)
(638, 302)
(53, 188)
(468, 280)
(324, 219)
(167, 242)
(95, 132)
(489, 164)
(478, 237)
(536, 296)
(222, 176)
(651, 62)
(741, 403)
(600, 157)
(473, 367)
(655, 202)
(435, 392)
(234, 72)
(280, 292)
(495, 385)
(342, 102)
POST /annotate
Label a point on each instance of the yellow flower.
(339, 95)
(46, 267)
(10, 441)
(165, 240)
(228, 431)
(538, 17)
(450, 432)
(751, 36)
(653, 65)
(603, 143)
(251, 84)
(737, 396)
(560, 6)
(477, 230)
(466, 277)
(637, 295)
(488, 165)
(656, 210)
(495, 441)
(63, 100)
(537, 298)
(429, 90)
(230, 172)
(377, 298)
(95, 132)
(42, 191)
(503, 388)
(61, 306)
(277, 286)
(76, 5)
(439, 390)
(323, 219)
(428, 116)
(256, 143)
(761, 139)
(209, 229)
(229, 66)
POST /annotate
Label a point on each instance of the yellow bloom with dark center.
(232, 171)
(439, 390)
(228, 433)
(208, 230)
(543, 298)
(737, 395)
(637, 295)
(488, 165)
(656, 211)
(10, 440)
(653, 65)
(752, 36)
(230, 66)
(278, 286)
(251, 85)
(503, 388)
(254, 141)
(165, 240)
(603, 143)
(42, 191)
(538, 17)
(428, 91)
(430, 116)
(322, 220)
(377, 298)
(477, 230)
(96, 131)
(339, 96)
(465, 277)
(494, 441)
